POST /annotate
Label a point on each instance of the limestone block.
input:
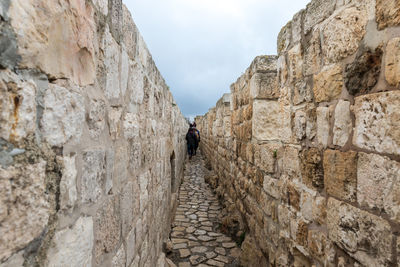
(144, 192)
(294, 194)
(102, 5)
(119, 260)
(96, 117)
(295, 59)
(129, 33)
(271, 121)
(319, 210)
(323, 126)
(265, 157)
(377, 120)
(131, 246)
(387, 13)
(288, 161)
(107, 228)
(143, 52)
(378, 184)
(131, 126)
(317, 242)
(263, 64)
(284, 37)
(114, 122)
(363, 74)
(270, 186)
(24, 206)
(16, 260)
(56, 37)
(18, 107)
(392, 61)
(112, 55)
(128, 198)
(68, 191)
(116, 19)
(282, 71)
(312, 169)
(300, 123)
(93, 175)
(135, 156)
(296, 26)
(124, 72)
(313, 53)
(299, 231)
(343, 124)
(306, 205)
(302, 92)
(72, 246)
(63, 115)
(364, 236)
(316, 12)
(264, 86)
(340, 170)
(342, 33)
(328, 84)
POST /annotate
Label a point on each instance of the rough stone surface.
(25, 207)
(323, 126)
(68, 190)
(93, 175)
(341, 174)
(387, 13)
(378, 184)
(73, 247)
(63, 115)
(392, 62)
(377, 120)
(365, 236)
(328, 84)
(316, 12)
(50, 38)
(363, 74)
(343, 124)
(342, 33)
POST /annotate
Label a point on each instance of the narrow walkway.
(195, 236)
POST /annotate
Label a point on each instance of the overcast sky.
(202, 46)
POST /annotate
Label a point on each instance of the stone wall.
(307, 151)
(92, 142)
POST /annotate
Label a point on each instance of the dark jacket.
(191, 138)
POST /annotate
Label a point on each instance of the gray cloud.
(202, 46)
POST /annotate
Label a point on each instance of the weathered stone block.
(9, 57)
(72, 247)
(263, 64)
(342, 33)
(377, 120)
(284, 37)
(270, 186)
(114, 122)
(129, 33)
(107, 228)
(364, 236)
(102, 5)
(362, 75)
(392, 61)
(319, 210)
(265, 157)
(299, 231)
(63, 115)
(93, 175)
(340, 170)
(96, 117)
(270, 121)
(58, 38)
(119, 260)
(295, 59)
(343, 124)
(316, 12)
(387, 13)
(328, 84)
(289, 161)
(68, 191)
(18, 107)
(264, 86)
(131, 126)
(130, 246)
(317, 241)
(116, 18)
(294, 194)
(379, 184)
(24, 206)
(312, 168)
(323, 126)
(297, 26)
(313, 53)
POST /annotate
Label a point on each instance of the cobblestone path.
(195, 236)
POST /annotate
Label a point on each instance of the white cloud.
(202, 46)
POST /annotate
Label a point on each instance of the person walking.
(197, 134)
(191, 141)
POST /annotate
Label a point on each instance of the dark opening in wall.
(173, 178)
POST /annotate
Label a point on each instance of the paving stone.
(211, 255)
(199, 249)
(215, 263)
(222, 258)
(220, 251)
(184, 253)
(229, 245)
(196, 259)
(200, 232)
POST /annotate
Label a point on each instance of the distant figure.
(197, 134)
(191, 141)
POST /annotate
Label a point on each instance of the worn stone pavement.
(195, 237)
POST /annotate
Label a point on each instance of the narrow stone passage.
(195, 237)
